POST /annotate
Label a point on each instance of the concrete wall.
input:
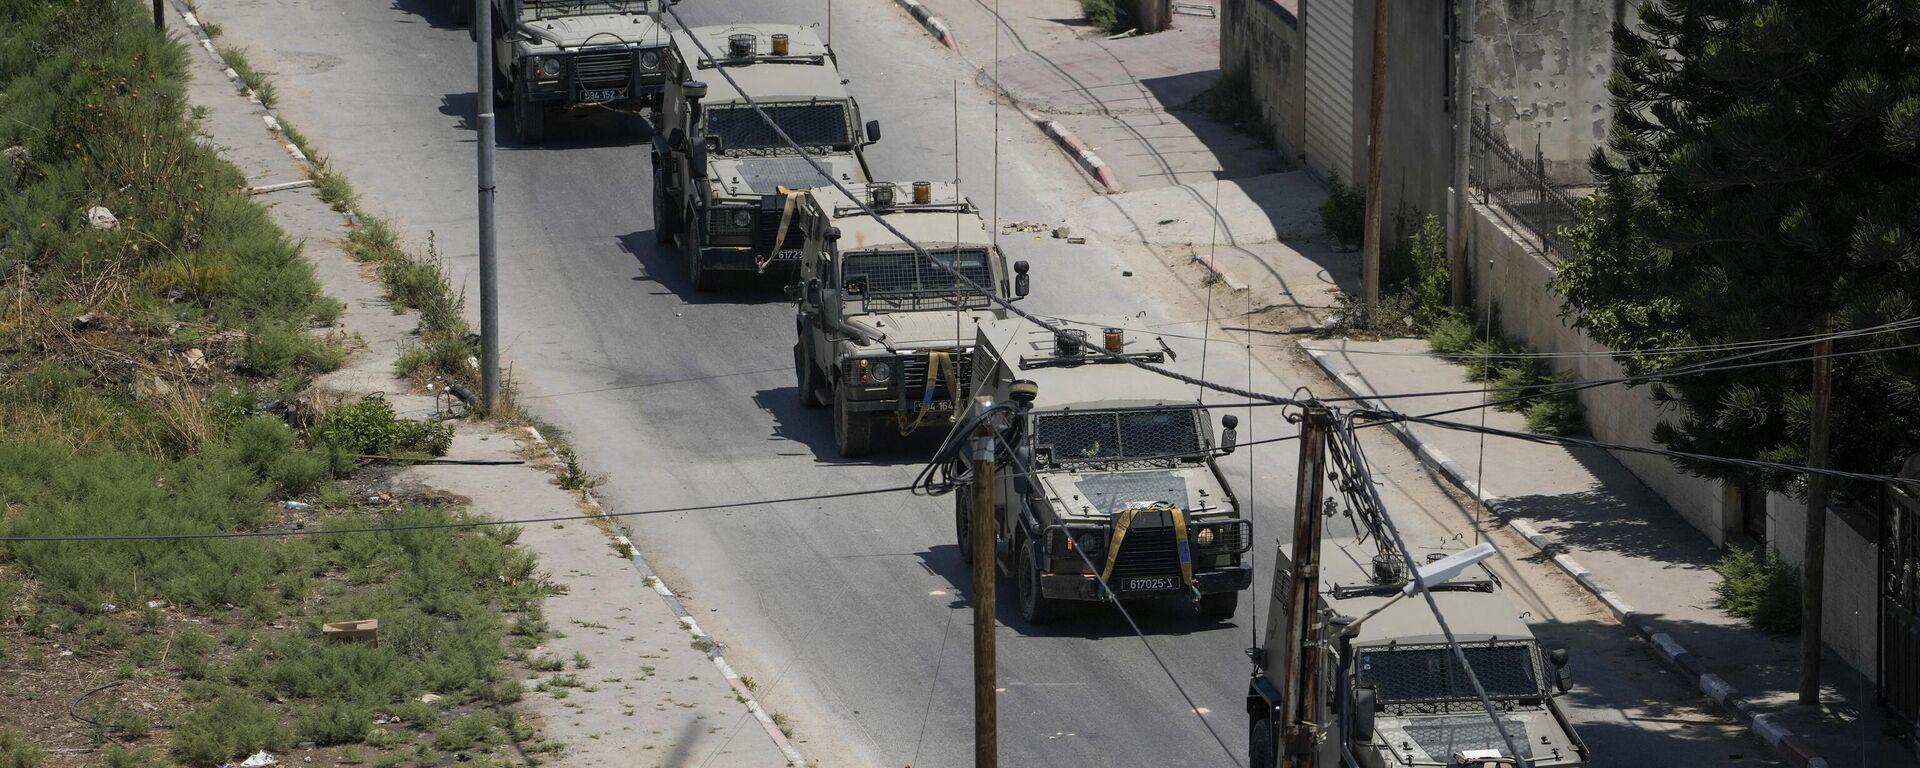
(1542, 67)
(1262, 38)
(1419, 157)
(1511, 275)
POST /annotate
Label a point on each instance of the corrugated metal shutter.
(1329, 92)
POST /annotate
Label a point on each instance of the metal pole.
(159, 15)
(1376, 161)
(1300, 654)
(489, 283)
(1540, 187)
(1812, 579)
(1462, 232)
(986, 705)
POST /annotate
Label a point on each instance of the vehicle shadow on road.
(1090, 621)
(813, 428)
(434, 12)
(665, 265)
(578, 129)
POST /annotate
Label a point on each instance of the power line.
(442, 526)
(962, 279)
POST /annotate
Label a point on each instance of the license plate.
(940, 405)
(603, 94)
(1149, 585)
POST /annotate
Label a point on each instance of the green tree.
(1761, 181)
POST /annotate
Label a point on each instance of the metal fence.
(1520, 184)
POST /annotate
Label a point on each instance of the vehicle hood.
(742, 176)
(1430, 740)
(927, 330)
(601, 29)
(1096, 494)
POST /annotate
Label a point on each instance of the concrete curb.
(1795, 750)
(266, 114)
(935, 25)
(1088, 160)
(712, 646)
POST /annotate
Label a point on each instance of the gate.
(1900, 598)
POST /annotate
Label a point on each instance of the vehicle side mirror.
(873, 131)
(1229, 437)
(1021, 283)
(1361, 719)
(1562, 679)
(676, 139)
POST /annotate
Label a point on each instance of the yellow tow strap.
(939, 365)
(786, 217)
(1125, 523)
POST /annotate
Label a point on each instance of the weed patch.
(1760, 589)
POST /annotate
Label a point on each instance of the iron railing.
(1522, 187)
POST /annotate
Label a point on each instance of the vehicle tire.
(807, 376)
(1260, 743)
(1220, 605)
(703, 279)
(529, 117)
(1035, 607)
(665, 213)
(852, 430)
(963, 523)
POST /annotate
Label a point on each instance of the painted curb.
(274, 127)
(711, 646)
(1795, 750)
(934, 25)
(1088, 160)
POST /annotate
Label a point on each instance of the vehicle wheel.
(529, 117)
(1220, 605)
(1260, 743)
(703, 279)
(1036, 608)
(664, 218)
(852, 430)
(963, 523)
(807, 376)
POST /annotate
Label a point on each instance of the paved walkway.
(1598, 518)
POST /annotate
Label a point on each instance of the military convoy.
(885, 330)
(1108, 488)
(725, 184)
(1399, 698)
(568, 54)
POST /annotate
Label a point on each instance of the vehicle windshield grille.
(1119, 435)
(548, 9)
(908, 280)
(1430, 672)
(810, 125)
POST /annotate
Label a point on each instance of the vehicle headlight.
(1204, 537)
(743, 219)
(550, 67)
(1088, 543)
(882, 372)
(649, 59)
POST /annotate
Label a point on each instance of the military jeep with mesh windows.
(885, 332)
(726, 186)
(1106, 482)
(572, 54)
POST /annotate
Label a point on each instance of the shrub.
(278, 348)
(370, 427)
(1344, 214)
(17, 752)
(1559, 414)
(478, 728)
(1432, 278)
(122, 757)
(1107, 15)
(232, 725)
(1760, 589)
(334, 722)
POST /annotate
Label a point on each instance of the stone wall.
(1542, 68)
(1262, 38)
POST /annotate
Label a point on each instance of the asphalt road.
(849, 614)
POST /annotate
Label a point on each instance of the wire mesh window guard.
(810, 124)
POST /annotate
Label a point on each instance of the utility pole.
(1814, 563)
(1376, 160)
(1460, 235)
(159, 15)
(1153, 16)
(489, 278)
(1300, 656)
(986, 705)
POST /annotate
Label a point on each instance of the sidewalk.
(1623, 543)
(1193, 190)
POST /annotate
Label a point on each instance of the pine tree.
(1762, 181)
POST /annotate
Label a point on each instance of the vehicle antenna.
(959, 298)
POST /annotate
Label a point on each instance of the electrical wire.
(920, 251)
(443, 526)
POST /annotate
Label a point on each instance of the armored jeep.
(572, 54)
(1399, 697)
(885, 333)
(1106, 487)
(725, 183)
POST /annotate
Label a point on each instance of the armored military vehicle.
(885, 333)
(725, 183)
(571, 54)
(1399, 696)
(1107, 488)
